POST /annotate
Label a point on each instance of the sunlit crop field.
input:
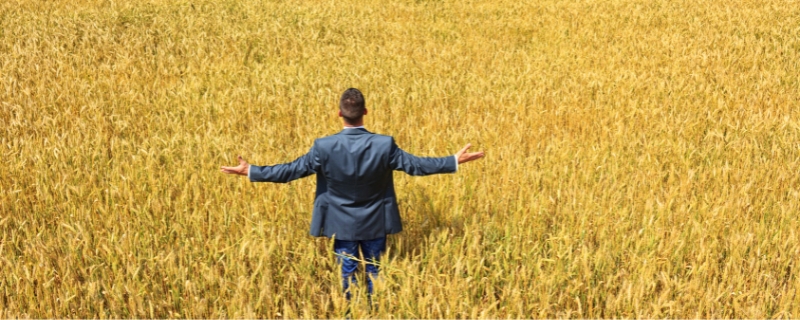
(641, 156)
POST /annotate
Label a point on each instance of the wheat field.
(641, 157)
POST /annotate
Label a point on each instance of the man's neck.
(357, 125)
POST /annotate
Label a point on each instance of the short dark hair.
(352, 105)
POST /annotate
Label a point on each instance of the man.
(355, 200)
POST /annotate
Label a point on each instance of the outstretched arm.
(421, 166)
(301, 167)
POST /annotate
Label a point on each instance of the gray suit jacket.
(355, 198)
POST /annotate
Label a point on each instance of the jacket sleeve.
(301, 167)
(420, 166)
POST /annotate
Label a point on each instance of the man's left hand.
(464, 156)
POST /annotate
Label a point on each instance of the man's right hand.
(464, 156)
(241, 169)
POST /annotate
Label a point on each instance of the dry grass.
(642, 156)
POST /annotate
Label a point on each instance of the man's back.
(355, 166)
(355, 197)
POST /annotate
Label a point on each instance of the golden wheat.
(642, 156)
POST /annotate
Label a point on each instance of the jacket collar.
(354, 131)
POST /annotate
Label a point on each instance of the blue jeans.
(371, 249)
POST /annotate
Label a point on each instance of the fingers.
(237, 169)
(469, 145)
(463, 156)
(233, 170)
(474, 156)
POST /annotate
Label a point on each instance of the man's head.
(351, 107)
